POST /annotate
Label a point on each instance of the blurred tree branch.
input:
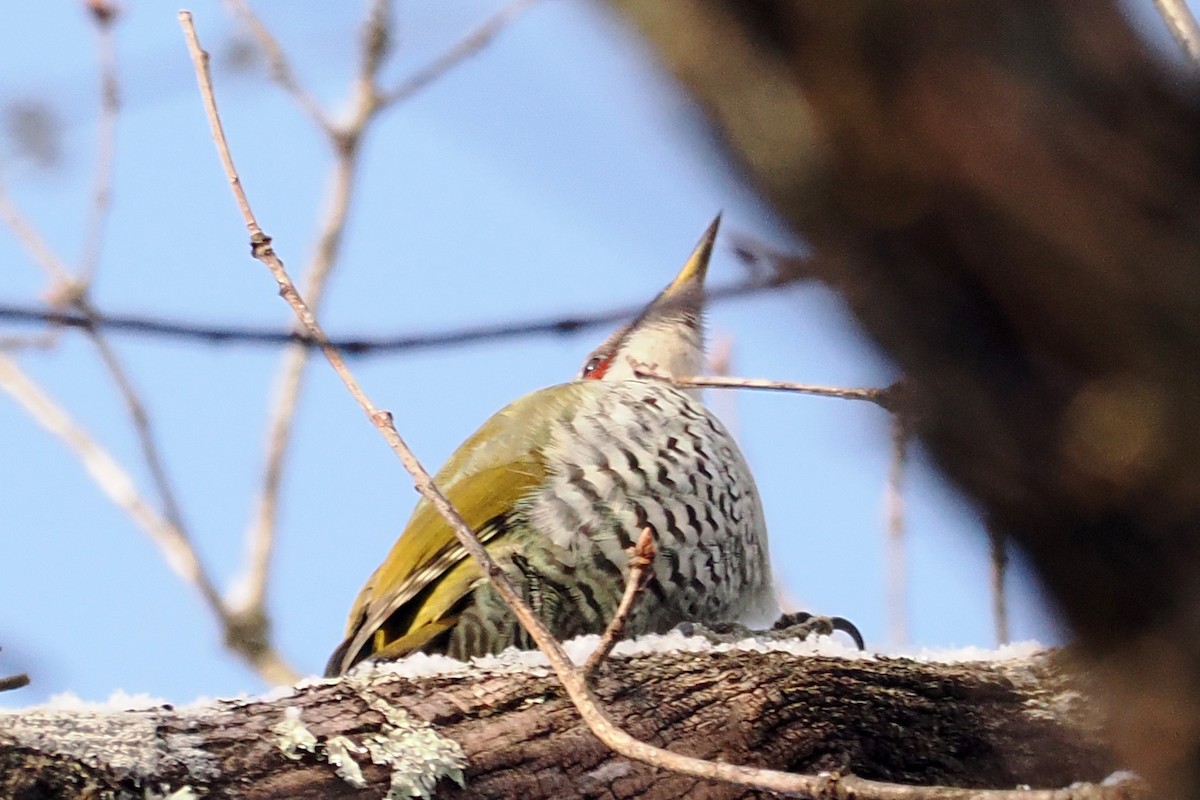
(368, 100)
(358, 345)
(241, 610)
(1006, 194)
(245, 634)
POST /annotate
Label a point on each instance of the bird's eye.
(595, 368)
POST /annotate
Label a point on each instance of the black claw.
(814, 624)
(847, 627)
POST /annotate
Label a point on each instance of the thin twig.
(897, 572)
(641, 556)
(725, 404)
(571, 677)
(1182, 24)
(42, 341)
(168, 531)
(373, 53)
(277, 63)
(359, 345)
(142, 427)
(884, 398)
(468, 46)
(998, 552)
(104, 17)
(112, 479)
(250, 589)
(116, 483)
(40, 250)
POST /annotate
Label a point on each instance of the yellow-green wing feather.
(484, 479)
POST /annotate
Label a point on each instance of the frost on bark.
(979, 724)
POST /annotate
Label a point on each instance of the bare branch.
(117, 484)
(359, 345)
(377, 39)
(141, 425)
(376, 44)
(1182, 24)
(167, 531)
(55, 268)
(468, 46)
(104, 16)
(41, 341)
(884, 398)
(112, 479)
(280, 69)
(897, 590)
(641, 556)
(720, 362)
(250, 589)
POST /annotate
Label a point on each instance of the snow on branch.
(505, 728)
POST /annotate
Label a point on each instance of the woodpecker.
(559, 485)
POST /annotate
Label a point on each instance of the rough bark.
(983, 724)
(1006, 194)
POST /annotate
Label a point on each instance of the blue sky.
(556, 172)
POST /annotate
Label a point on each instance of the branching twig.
(244, 633)
(250, 589)
(117, 484)
(280, 69)
(572, 678)
(1182, 24)
(40, 250)
(104, 16)
(112, 479)
(468, 46)
(897, 590)
(884, 398)
(641, 556)
(142, 426)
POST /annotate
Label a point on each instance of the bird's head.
(668, 336)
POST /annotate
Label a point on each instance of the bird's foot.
(717, 632)
(799, 625)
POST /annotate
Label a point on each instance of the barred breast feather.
(559, 485)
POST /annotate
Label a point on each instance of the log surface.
(976, 724)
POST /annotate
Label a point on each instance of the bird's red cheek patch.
(596, 368)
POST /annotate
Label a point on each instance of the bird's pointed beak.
(691, 277)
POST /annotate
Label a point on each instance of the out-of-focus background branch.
(1005, 194)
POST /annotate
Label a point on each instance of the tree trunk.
(982, 724)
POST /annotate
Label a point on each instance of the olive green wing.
(409, 599)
